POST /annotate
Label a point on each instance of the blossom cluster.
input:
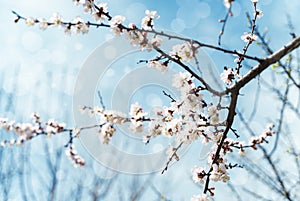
(184, 52)
(268, 132)
(73, 156)
(230, 144)
(108, 119)
(228, 75)
(188, 118)
(202, 197)
(28, 131)
(77, 25)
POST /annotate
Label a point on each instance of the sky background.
(38, 69)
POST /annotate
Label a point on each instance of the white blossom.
(258, 13)
(182, 80)
(106, 132)
(80, 26)
(227, 3)
(99, 16)
(198, 174)
(116, 31)
(156, 41)
(249, 37)
(147, 21)
(30, 21)
(202, 197)
(212, 110)
(161, 66)
(88, 6)
(73, 156)
(136, 126)
(155, 128)
(219, 173)
(183, 52)
(116, 21)
(43, 24)
(136, 111)
(137, 38)
(56, 19)
(227, 76)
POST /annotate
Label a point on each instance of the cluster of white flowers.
(140, 39)
(219, 167)
(100, 15)
(27, 131)
(106, 132)
(250, 37)
(202, 197)
(54, 127)
(107, 118)
(183, 81)
(161, 66)
(213, 114)
(147, 21)
(227, 76)
(77, 25)
(184, 52)
(73, 156)
(219, 173)
(137, 117)
(262, 137)
(188, 118)
(98, 11)
(116, 21)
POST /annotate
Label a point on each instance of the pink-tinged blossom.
(227, 76)
(249, 37)
(88, 6)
